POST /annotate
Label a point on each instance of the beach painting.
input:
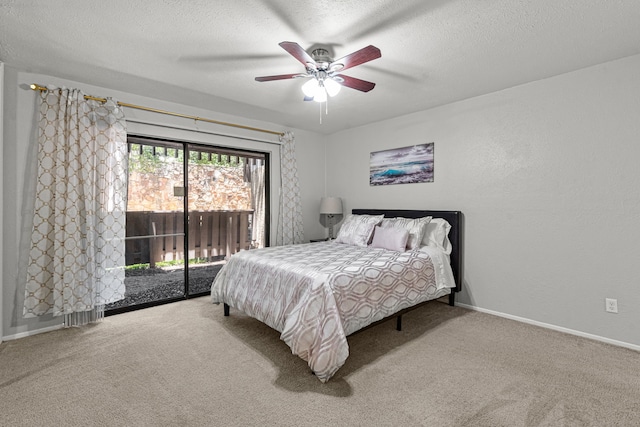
(406, 165)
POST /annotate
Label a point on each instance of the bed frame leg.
(452, 299)
(226, 309)
(399, 323)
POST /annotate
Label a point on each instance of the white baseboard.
(552, 327)
(34, 332)
(467, 306)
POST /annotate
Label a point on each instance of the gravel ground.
(156, 284)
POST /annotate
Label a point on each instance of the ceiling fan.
(325, 74)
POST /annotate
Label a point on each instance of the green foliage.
(137, 266)
(225, 161)
(160, 264)
(145, 161)
(142, 158)
(181, 262)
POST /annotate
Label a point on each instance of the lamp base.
(330, 219)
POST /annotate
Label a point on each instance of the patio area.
(157, 284)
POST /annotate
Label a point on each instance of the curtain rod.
(208, 132)
(170, 113)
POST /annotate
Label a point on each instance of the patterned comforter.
(318, 293)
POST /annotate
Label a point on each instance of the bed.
(317, 294)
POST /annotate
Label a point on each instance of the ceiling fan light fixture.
(332, 86)
(321, 94)
(311, 87)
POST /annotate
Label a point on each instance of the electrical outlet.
(611, 305)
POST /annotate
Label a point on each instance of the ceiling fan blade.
(299, 53)
(353, 83)
(279, 77)
(361, 56)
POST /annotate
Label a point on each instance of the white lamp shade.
(331, 205)
(321, 94)
(332, 86)
(310, 87)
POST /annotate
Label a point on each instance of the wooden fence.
(159, 236)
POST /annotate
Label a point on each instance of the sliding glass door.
(226, 209)
(189, 208)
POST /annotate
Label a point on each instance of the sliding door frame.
(185, 165)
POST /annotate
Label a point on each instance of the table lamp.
(330, 206)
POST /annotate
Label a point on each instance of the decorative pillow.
(437, 235)
(394, 239)
(415, 226)
(357, 229)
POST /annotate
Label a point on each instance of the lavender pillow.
(394, 239)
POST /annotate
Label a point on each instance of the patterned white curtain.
(290, 228)
(76, 258)
(257, 202)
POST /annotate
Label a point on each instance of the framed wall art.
(406, 165)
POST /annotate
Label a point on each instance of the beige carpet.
(185, 364)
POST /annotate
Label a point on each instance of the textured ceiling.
(207, 53)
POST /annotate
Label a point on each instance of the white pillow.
(437, 235)
(357, 229)
(394, 239)
(415, 226)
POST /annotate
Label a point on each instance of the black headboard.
(455, 234)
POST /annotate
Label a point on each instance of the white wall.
(547, 177)
(545, 173)
(19, 121)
